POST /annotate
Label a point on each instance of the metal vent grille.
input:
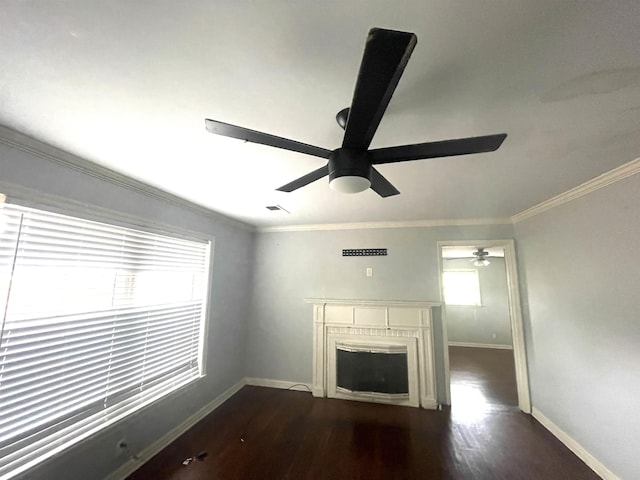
(277, 208)
(364, 252)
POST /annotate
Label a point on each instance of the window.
(97, 322)
(461, 287)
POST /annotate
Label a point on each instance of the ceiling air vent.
(275, 208)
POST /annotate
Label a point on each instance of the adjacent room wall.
(292, 266)
(233, 257)
(581, 301)
(489, 324)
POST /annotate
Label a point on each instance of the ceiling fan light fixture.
(481, 262)
(481, 258)
(349, 184)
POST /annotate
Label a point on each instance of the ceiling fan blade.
(445, 148)
(381, 185)
(385, 56)
(305, 180)
(241, 133)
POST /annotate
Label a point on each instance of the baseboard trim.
(480, 345)
(429, 403)
(145, 455)
(574, 446)
(283, 384)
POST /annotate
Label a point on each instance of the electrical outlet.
(369, 272)
(121, 447)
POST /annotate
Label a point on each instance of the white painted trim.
(607, 178)
(481, 345)
(445, 334)
(400, 224)
(283, 384)
(373, 303)
(573, 445)
(28, 197)
(515, 312)
(205, 326)
(40, 149)
(146, 454)
(30, 145)
(517, 328)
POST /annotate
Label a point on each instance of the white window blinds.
(97, 321)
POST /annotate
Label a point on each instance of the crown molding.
(372, 225)
(30, 145)
(31, 198)
(607, 178)
(35, 147)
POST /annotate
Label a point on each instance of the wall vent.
(277, 208)
(364, 252)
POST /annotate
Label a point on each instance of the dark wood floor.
(263, 433)
(482, 376)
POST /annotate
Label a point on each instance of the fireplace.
(374, 351)
(377, 370)
(368, 368)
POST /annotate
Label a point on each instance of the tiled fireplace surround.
(375, 325)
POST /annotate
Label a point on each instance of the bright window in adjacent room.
(97, 321)
(461, 287)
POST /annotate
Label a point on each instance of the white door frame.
(515, 312)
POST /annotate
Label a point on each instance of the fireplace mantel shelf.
(373, 303)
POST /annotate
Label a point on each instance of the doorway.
(483, 335)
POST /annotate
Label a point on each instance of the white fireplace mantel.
(393, 322)
(373, 303)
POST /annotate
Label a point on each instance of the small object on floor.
(201, 456)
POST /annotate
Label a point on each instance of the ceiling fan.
(351, 167)
(480, 257)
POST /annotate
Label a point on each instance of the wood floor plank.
(270, 434)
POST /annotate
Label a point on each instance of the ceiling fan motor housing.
(346, 162)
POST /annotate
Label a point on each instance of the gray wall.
(489, 323)
(581, 285)
(233, 258)
(292, 266)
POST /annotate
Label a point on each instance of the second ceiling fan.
(351, 167)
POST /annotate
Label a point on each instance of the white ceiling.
(128, 85)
